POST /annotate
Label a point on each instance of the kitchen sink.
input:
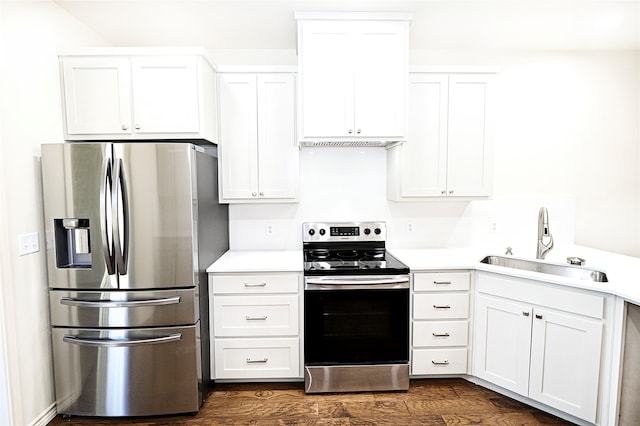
(569, 271)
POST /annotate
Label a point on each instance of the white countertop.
(258, 261)
(623, 272)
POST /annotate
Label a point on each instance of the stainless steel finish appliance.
(356, 310)
(131, 229)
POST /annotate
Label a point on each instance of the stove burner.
(319, 254)
(347, 254)
(374, 254)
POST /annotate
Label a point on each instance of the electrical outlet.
(28, 243)
(409, 227)
(494, 226)
(268, 229)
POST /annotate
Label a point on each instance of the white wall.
(567, 137)
(31, 33)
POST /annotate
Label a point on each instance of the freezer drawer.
(127, 372)
(123, 308)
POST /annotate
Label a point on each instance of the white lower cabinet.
(256, 358)
(540, 341)
(440, 322)
(255, 325)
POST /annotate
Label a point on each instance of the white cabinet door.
(278, 156)
(380, 79)
(238, 136)
(502, 343)
(259, 156)
(326, 80)
(353, 79)
(97, 96)
(166, 95)
(468, 149)
(423, 169)
(565, 362)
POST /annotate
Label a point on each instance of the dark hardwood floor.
(428, 402)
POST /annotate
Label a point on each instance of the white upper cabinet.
(166, 97)
(123, 95)
(97, 96)
(353, 79)
(448, 152)
(258, 151)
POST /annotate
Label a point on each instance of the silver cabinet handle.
(440, 334)
(442, 282)
(118, 303)
(248, 285)
(120, 343)
(441, 306)
(358, 131)
(350, 131)
(538, 316)
(253, 194)
(443, 192)
(262, 194)
(137, 127)
(445, 362)
(250, 318)
(124, 127)
(526, 314)
(257, 361)
(451, 191)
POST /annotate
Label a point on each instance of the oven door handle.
(351, 283)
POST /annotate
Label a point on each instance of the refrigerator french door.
(131, 228)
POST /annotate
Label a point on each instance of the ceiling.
(437, 24)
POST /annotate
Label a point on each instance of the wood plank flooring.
(444, 402)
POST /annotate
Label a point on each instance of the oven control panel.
(343, 231)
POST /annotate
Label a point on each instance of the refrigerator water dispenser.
(73, 247)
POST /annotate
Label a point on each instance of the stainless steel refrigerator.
(131, 228)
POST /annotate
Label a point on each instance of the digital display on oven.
(342, 231)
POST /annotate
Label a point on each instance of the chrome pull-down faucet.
(545, 240)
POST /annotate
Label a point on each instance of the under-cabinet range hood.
(346, 143)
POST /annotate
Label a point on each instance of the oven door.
(356, 320)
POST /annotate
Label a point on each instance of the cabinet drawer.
(440, 306)
(255, 315)
(440, 333)
(439, 281)
(256, 358)
(254, 283)
(439, 361)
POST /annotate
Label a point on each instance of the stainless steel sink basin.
(569, 271)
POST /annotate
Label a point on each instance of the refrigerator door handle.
(80, 303)
(117, 343)
(106, 191)
(120, 197)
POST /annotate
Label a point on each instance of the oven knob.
(367, 231)
(322, 231)
(312, 231)
(377, 231)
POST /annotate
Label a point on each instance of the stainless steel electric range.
(356, 309)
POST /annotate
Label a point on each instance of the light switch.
(28, 243)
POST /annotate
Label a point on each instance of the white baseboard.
(45, 417)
